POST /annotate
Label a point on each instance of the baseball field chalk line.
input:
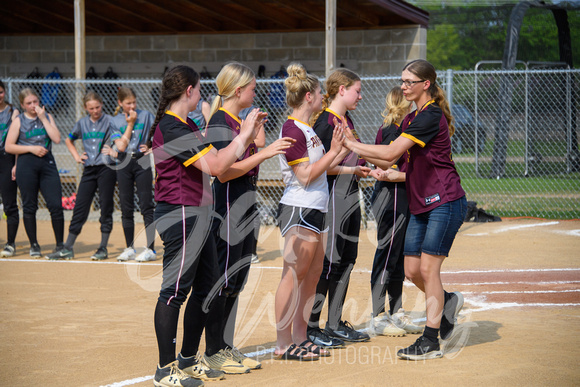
(510, 228)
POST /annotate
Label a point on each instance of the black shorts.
(309, 218)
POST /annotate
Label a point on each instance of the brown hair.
(123, 93)
(425, 71)
(175, 82)
(92, 96)
(339, 77)
(298, 83)
(396, 106)
(25, 93)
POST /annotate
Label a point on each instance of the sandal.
(314, 348)
(295, 352)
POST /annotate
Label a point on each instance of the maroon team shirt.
(223, 127)
(432, 179)
(177, 144)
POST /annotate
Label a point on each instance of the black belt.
(136, 155)
(253, 179)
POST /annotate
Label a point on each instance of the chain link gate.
(540, 174)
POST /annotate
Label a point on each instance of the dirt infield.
(84, 323)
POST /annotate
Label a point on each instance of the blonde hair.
(123, 93)
(396, 106)
(92, 96)
(230, 77)
(339, 77)
(298, 83)
(25, 93)
(425, 71)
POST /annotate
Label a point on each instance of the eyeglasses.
(410, 83)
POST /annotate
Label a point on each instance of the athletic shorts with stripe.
(309, 218)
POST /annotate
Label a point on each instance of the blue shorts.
(433, 232)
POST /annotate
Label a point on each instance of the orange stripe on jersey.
(198, 156)
(175, 115)
(231, 115)
(296, 119)
(298, 161)
(414, 139)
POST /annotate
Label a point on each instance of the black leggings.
(133, 174)
(34, 174)
(9, 191)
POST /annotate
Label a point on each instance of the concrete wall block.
(280, 54)
(268, 40)
(189, 42)
(375, 68)
(349, 38)
(70, 56)
(52, 56)
(17, 43)
(127, 56)
(341, 53)
(316, 39)
(416, 51)
(164, 42)
(153, 56)
(406, 35)
(139, 42)
(254, 55)
(312, 53)
(29, 56)
(378, 36)
(215, 41)
(94, 42)
(295, 39)
(392, 52)
(42, 43)
(115, 43)
(101, 57)
(362, 53)
(64, 43)
(202, 56)
(2, 42)
(8, 57)
(177, 55)
(242, 41)
(228, 55)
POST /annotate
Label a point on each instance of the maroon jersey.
(432, 179)
(223, 127)
(387, 135)
(176, 145)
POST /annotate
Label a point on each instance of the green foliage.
(460, 36)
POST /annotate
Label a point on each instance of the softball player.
(134, 169)
(30, 137)
(95, 130)
(343, 92)
(236, 211)
(8, 187)
(201, 114)
(390, 208)
(436, 200)
(183, 164)
(302, 221)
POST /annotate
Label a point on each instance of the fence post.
(449, 87)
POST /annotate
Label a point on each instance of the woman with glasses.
(436, 199)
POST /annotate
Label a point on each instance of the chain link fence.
(515, 147)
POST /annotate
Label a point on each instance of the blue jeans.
(433, 232)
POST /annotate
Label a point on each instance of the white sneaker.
(127, 254)
(403, 321)
(147, 255)
(382, 325)
(255, 259)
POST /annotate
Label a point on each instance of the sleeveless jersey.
(141, 129)
(308, 147)
(5, 121)
(94, 135)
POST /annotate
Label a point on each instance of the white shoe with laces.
(403, 321)
(147, 255)
(127, 254)
(382, 325)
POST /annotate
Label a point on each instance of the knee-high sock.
(230, 314)
(30, 227)
(194, 321)
(166, 330)
(214, 340)
(321, 290)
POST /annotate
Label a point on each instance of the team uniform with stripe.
(35, 173)
(390, 208)
(98, 173)
(8, 187)
(134, 169)
(302, 206)
(183, 215)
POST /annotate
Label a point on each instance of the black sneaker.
(322, 339)
(35, 250)
(451, 308)
(61, 253)
(172, 376)
(346, 332)
(8, 251)
(422, 349)
(100, 254)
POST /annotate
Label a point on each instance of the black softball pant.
(9, 191)
(34, 174)
(133, 174)
(102, 177)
